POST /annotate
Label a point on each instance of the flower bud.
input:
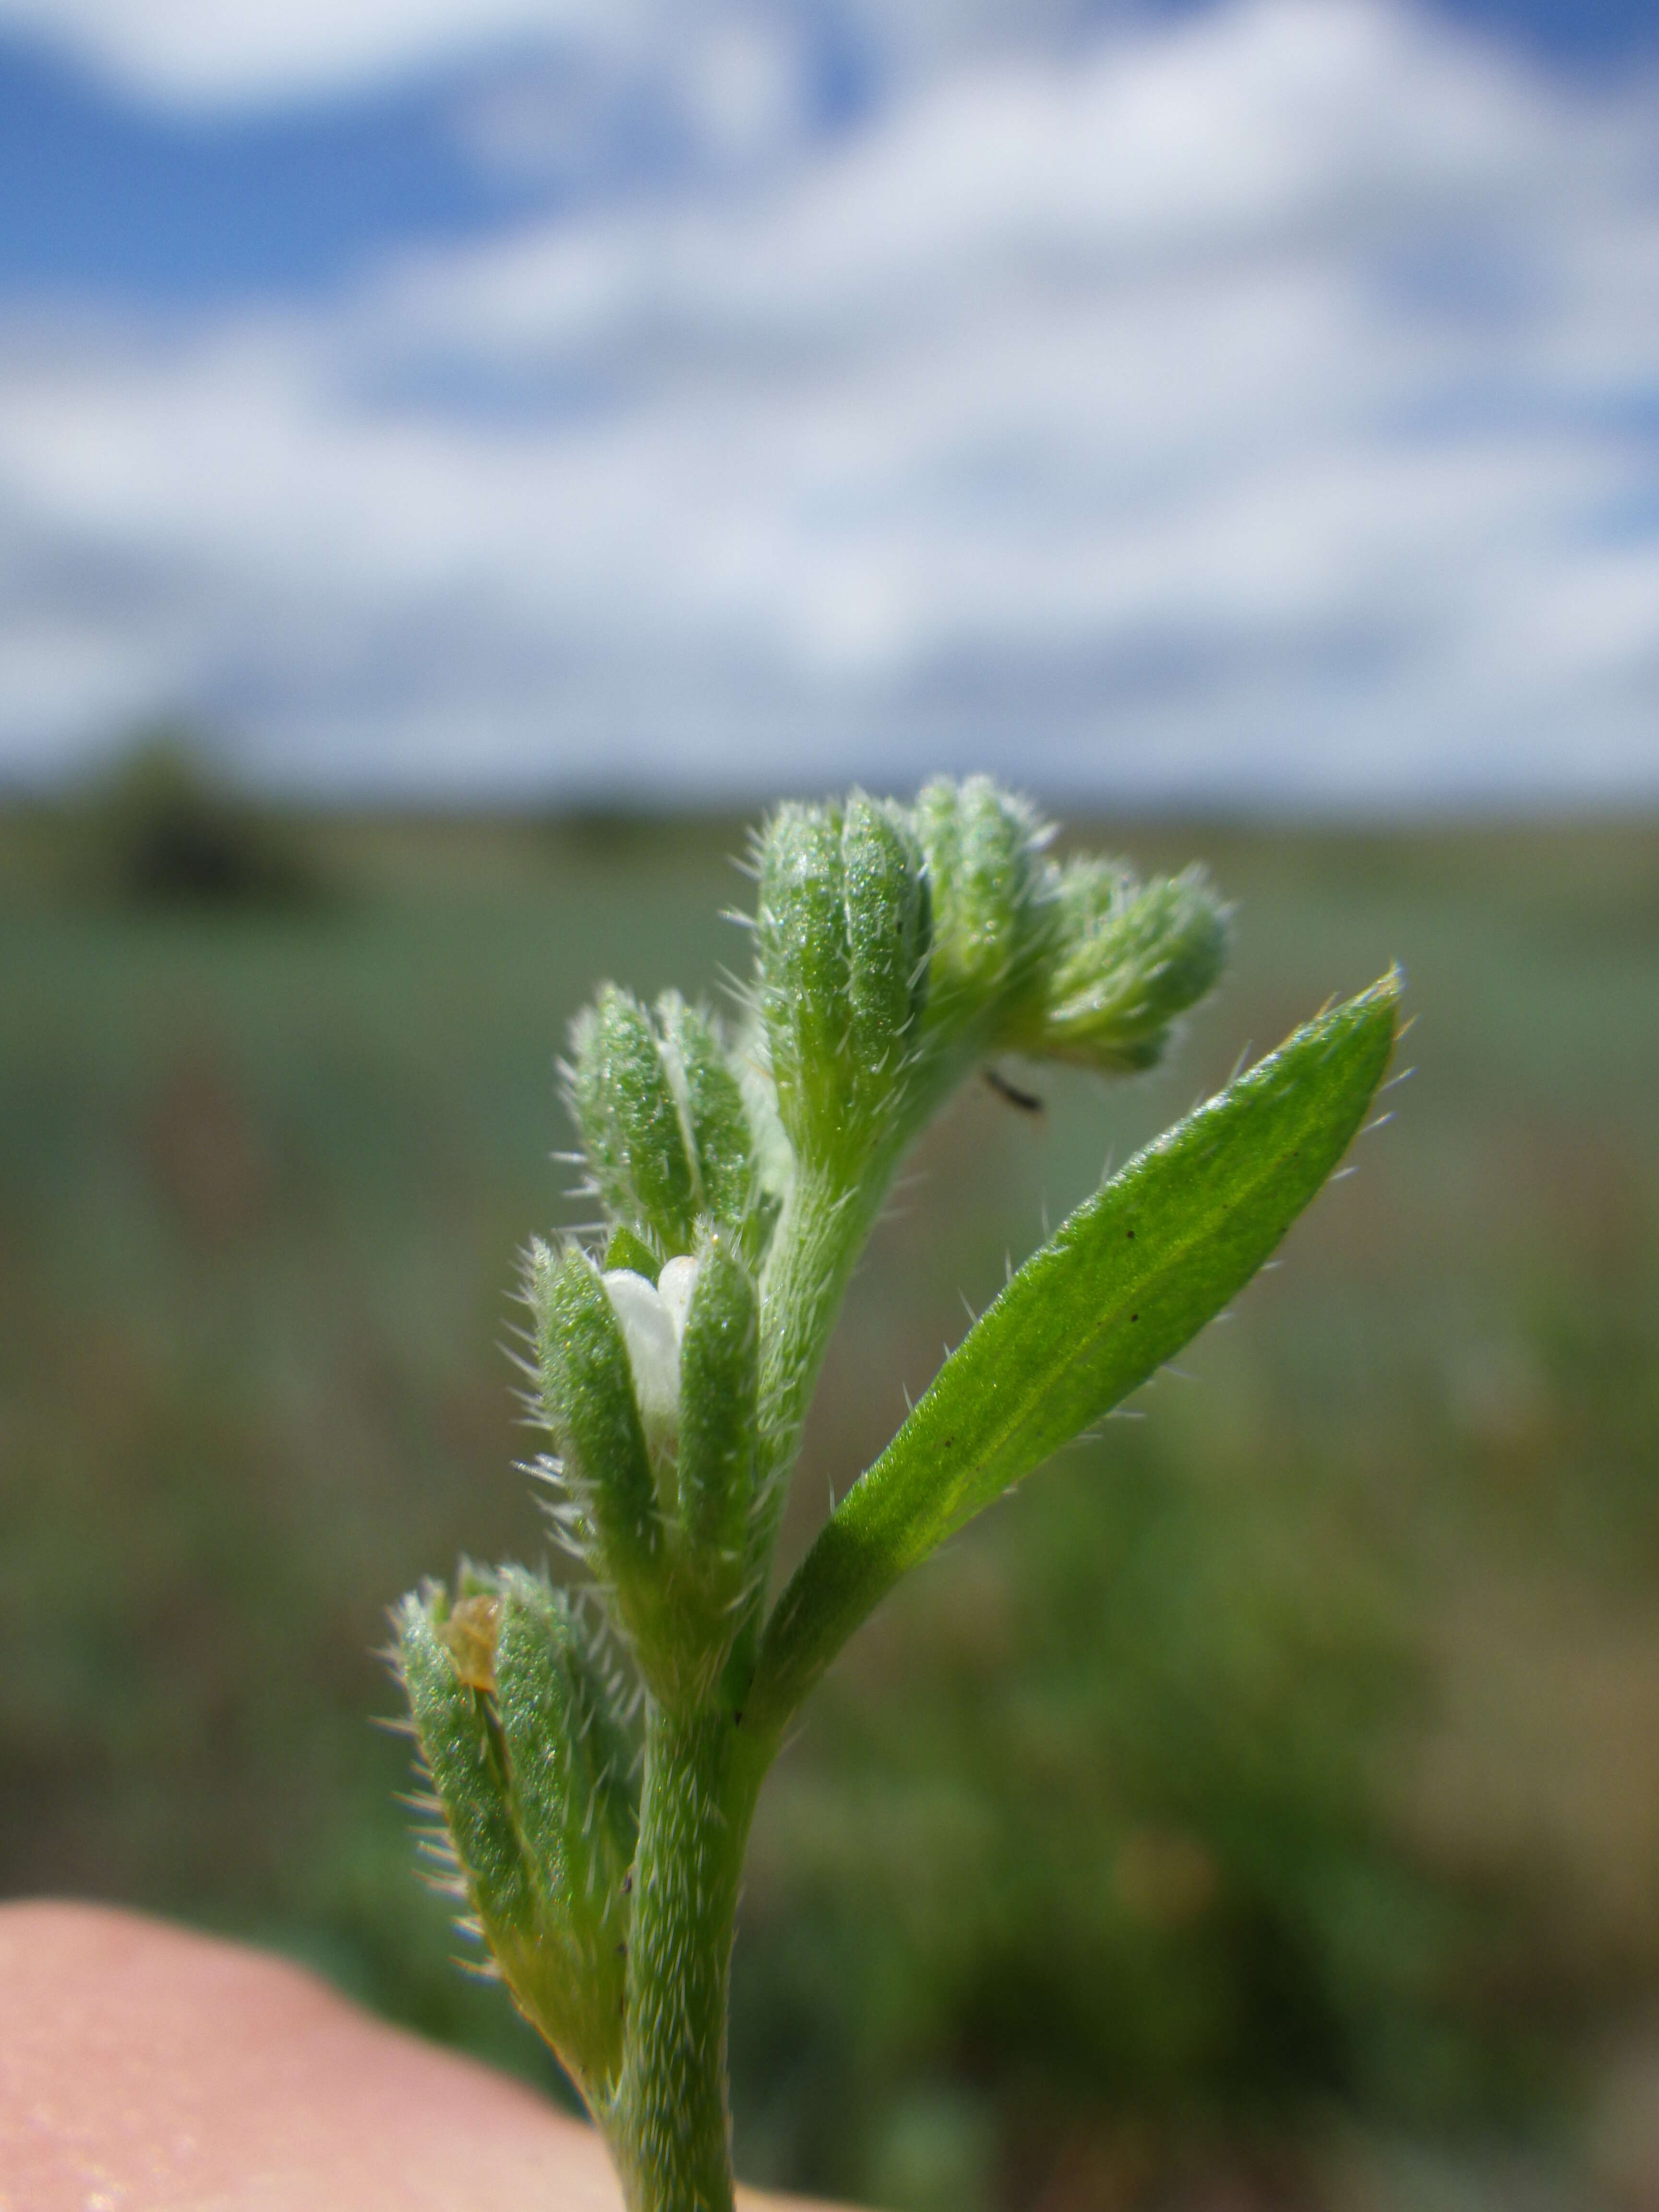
(625, 1108)
(992, 903)
(533, 1778)
(843, 942)
(1130, 958)
(461, 1742)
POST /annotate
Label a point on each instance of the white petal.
(674, 1286)
(654, 1353)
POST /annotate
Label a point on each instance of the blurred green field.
(1264, 1800)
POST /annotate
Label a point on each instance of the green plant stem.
(817, 1239)
(826, 1221)
(819, 1235)
(824, 1225)
(669, 2122)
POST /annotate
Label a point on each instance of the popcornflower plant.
(596, 1759)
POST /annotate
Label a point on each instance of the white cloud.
(1262, 406)
(203, 52)
(735, 55)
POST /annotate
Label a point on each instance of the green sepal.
(629, 1120)
(460, 1741)
(1132, 1276)
(569, 1764)
(625, 1250)
(459, 1733)
(1129, 959)
(888, 917)
(724, 1153)
(720, 1421)
(587, 1397)
(532, 1768)
(804, 967)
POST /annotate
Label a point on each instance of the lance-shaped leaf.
(1132, 1276)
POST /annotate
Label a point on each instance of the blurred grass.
(1282, 1765)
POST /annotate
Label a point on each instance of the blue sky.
(1247, 403)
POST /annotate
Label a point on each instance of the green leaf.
(1131, 1277)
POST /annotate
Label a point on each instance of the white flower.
(653, 1317)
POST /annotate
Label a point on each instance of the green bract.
(597, 1816)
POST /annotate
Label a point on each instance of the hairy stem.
(670, 2124)
(823, 1225)
(819, 1238)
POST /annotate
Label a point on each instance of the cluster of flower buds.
(898, 945)
(667, 1133)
